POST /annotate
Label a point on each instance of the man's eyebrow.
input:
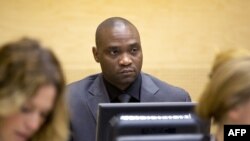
(112, 47)
(134, 44)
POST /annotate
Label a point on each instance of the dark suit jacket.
(85, 95)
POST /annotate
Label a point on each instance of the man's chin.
(127, 81)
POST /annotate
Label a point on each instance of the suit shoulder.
(168, 88)
(82, 84)
(87, 79)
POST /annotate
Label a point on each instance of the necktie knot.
(123, 98)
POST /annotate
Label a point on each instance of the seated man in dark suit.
(119, 52)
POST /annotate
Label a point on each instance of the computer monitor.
(120, 119)
(176, 137)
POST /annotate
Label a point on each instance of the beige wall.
(179, 37)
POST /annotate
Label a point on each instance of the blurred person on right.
(226, 99)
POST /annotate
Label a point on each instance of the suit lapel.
(148, 89)
(97, 94)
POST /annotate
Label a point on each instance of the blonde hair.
(229, 85)
(227, 55)
(24, 67)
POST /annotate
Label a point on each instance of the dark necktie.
(123, 98)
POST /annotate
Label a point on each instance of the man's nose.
(125, 60)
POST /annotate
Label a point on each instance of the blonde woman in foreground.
(31, 94)
(226, 99)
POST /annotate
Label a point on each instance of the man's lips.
(127, 71)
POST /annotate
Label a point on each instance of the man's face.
(120, 55)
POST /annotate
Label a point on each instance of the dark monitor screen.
(176, 137)
(120, 119)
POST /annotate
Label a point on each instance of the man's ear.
(95, 54)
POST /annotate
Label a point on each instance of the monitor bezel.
(108, 110)
(176, 137)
